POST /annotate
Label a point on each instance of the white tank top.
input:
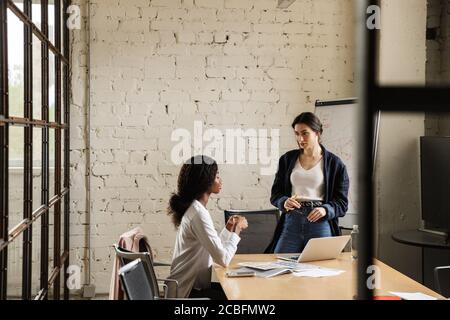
(308, 184)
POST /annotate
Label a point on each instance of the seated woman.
(198, 244)
(310, 188)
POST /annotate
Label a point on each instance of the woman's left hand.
(316, 214)
(231, 222)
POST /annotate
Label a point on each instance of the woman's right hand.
(240, 224)
(291, 204)
(236, 222)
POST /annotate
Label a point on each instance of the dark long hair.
(196, 177)
(311, 120)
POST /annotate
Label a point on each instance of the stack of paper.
(413, 296)
(271, 269)
(318, 273)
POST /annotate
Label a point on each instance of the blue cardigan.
(336, 190)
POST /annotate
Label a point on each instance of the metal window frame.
(61, 129)
(375, 98)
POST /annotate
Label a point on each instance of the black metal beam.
(57, 209)
(3, 149)
(25, 223)
(66, 110)
(28, 156)
(45, 149)
(412, 99)
(367, 73)
(36, 123)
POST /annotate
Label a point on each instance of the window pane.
(36, 259)
(37, 78)
(36, 13)
(15, 65)
(51, 251)
(37, 167)
(61, 283)
(52, 163)
(19, 4)
(51, 87)
(62, 226)
(16, 156)
(63, 132)
(63, 26)
(15, 269)
(63, 93)
(51, 232)
(51, 21)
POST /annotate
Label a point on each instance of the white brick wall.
(157, 66)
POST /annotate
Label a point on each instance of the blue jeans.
(297, 231)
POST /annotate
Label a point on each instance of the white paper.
(272, 273)
(413, 296)
(318, 273)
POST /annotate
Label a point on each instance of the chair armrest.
(171, 281)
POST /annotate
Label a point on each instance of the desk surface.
(421, 239)
(290, 287)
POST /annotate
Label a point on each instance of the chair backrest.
(136, 281)
(125, 257)
(442, 280)
(261, 227)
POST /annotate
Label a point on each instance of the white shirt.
(196, 247)
(308, 184)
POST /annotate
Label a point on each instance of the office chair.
(135, 279)
(170, 286)
(261, 227)
(442, 280)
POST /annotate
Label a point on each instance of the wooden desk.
(290, 287)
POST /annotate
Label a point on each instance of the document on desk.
(413, 296)
(265, 266)
(318, 273)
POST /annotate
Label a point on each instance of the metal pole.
(66, 84)
(45, 152)
(57, 208)
(28, 157)
(366, 54)
(4, 154)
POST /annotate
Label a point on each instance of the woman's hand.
(316, 214)
(291, 204)
(231, 222)
(236, 224)
(241, 223)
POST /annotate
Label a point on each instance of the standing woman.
(310, 189)
(198, 244)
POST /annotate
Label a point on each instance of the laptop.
(316, 249)
(319, 249)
